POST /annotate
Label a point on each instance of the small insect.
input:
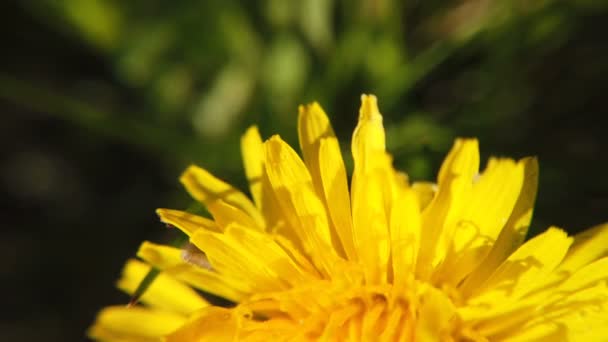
(192, 255)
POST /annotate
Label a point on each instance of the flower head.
(308, 258)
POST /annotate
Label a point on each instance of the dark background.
(103, 103)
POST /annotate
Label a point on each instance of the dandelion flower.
(310, 258)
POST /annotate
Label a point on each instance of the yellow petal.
(588, 246)
(514, 231)
(394, 325)
(254, 256)
(295, 254)
(300, 205)
(322, 156)
(186, 222)
(530, 263)
(435, 314)
(425, 191)
(440, 216)
(587, 276)
(220, 198)
(336, 321)
(252, 150)
(369, 137)
(573, 308)
(313, 125)
(405, 225)
(169, 260)
(211, 324)
(483, 216)
(584, 311)
(273, 214)
(226, 214)
(463, 160)
(274, 329)
(335, 189)
(575, 311)
(541, 333)
(494, 195)
(165, 292)
(134, 324)
(370, 323)
(576, 301)
(353, 330)
(370, 226)
(438, 221)
(371, 192)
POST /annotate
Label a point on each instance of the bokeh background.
(104, 102)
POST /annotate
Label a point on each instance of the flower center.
(334, 311)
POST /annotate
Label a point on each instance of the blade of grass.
(161, 140)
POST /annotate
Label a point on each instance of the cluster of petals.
(309, 256)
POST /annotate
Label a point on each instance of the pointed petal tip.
(530, 163)
(311, 110)
(146, 251)
(369, 97)
(249, 140)
(554, 230)
(315, 105)
(309, 106)
(253, 129)
(271, 146)
(369, 108)
(273, 139)
(162, 214)
(466, 141)
(187, 172)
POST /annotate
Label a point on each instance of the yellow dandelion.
(308, 258)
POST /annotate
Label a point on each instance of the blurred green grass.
(111, 99)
